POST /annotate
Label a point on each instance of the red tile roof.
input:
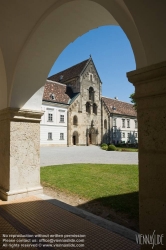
(69, 73)
(61, 92)
(117, 107)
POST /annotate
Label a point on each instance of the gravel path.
(84, 154)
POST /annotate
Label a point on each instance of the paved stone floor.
(33, 223)
(84, 154)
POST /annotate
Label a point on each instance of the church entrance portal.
(92, 136)
(75, 138)
(90, 140)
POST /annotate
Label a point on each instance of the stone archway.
(75, 138)
(92, 136)
(40, 46)
(29, 46)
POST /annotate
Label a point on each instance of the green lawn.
(115, 186)
(127, 149)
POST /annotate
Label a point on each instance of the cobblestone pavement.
(84, 154)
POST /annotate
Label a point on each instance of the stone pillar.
(19, 153)
(150, 93)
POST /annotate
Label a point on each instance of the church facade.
(75, 113)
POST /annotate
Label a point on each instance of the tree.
(133, 100)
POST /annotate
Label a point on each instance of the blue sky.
(112, 55)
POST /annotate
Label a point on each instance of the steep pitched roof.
(117, 107)
(69, 73)
(61, 92)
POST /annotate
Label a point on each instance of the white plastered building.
(122, 124)
(53, 126)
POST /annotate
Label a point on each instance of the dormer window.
(52, 96)
(61, 77)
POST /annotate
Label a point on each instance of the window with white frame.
(61, 136)
(128, 123)
(123, 135)
(123, 123)
(49, 136)
(128, 135)
(62, 118)
(50, 117)
(114, 122)
(136, 124)
(136, 135)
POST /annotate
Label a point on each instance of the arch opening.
(75, 138)
(36, 72)
(75, 120)
(30, 77)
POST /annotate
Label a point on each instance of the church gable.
(90, 84)
(90, 73)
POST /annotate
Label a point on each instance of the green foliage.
(118, 149)
(104, 147)
(129, 149)
(111, 148)
(133, 100)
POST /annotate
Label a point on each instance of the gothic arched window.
(75, 120)
(95, 108)
(91, 94)
(88, 107)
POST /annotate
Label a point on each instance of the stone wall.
(85, 119)
(19, 153)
